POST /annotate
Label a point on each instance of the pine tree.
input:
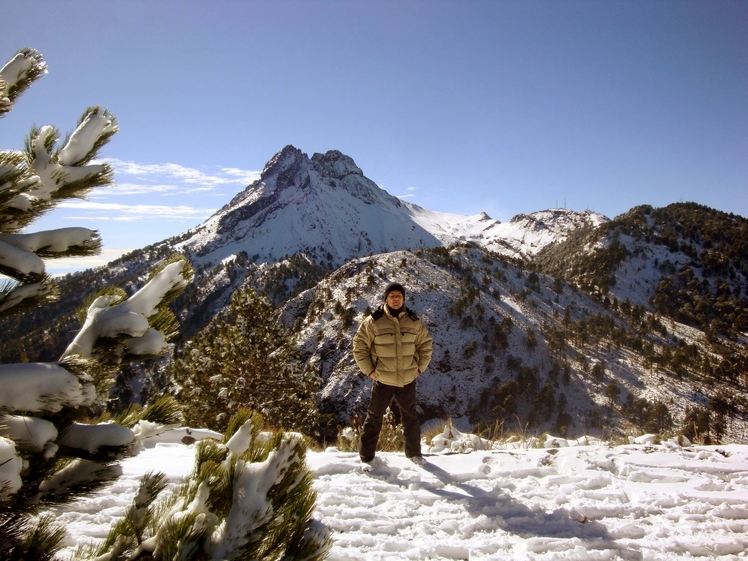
(48, 453)
(246, 359)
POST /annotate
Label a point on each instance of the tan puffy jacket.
(397, 348)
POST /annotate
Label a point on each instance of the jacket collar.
(387, 311)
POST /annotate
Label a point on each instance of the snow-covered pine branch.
(19, 263)
(34, 180)
(17, 298)
(21, 254)
(15, 177)
(62, 242)
(10, 468)
(63, 473)
(65, 173)
(47, 453)
(116, 328)
(21, 259)
(43, 387)
(31, 287)
(5, 103)
(79, 380)
(250, 495)
(18, 74)
(30, 433)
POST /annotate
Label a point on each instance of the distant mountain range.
(326, 208)
(565, 320)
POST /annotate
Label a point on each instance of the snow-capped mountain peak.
(323, 206)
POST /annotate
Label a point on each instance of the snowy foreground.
(639, 501)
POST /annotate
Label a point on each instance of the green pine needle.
(103, 376)
(14, 220)
(165, 321)
(44, 540)
(49, 142)
(116, 294)
(129, 417)
(208, 452)
(166, 410)
(13, 170)
(183, 538)
(26, 278)
(238, 421)
(79, 189)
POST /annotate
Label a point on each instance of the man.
(393, 347)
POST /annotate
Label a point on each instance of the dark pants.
(381, 396)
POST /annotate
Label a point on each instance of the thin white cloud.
(56, 267)
(145, 182)
(242, 175)
(410, 194)
(134, 189)
(144, 189)
(184, 174)
(134, 212)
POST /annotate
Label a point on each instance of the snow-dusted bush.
(249, 497)
(349, 439)
(452, 440)
(391, 437)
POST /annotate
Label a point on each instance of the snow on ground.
(580, 502)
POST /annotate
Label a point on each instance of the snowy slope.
(455, 377)
(522, 237)
(640, 248)
(572, 501)
(467, 365)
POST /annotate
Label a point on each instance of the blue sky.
(497, 106)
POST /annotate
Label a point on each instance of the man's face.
(395, 299)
